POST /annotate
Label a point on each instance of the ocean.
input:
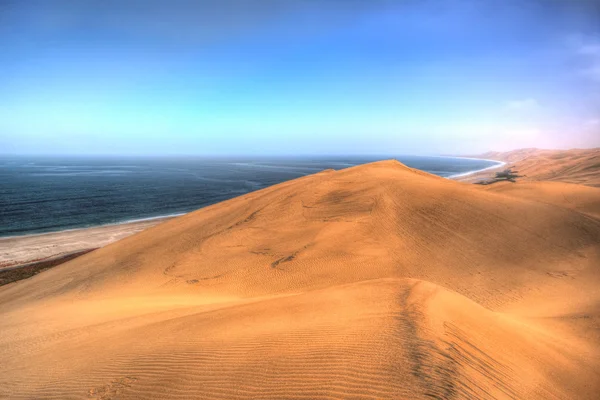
(46, 194)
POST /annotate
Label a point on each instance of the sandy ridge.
(376, 281)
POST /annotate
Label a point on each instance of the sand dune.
(580, 198)
(376, 281)
(581, 166)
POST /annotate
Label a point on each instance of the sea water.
(45, 194)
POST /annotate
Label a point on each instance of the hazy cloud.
(591, 49)
(592, 123)
(588, 51)
(522, 104)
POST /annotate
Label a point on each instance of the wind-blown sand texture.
(376, 281)
(581, 166)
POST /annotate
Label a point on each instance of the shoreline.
(21, 250)
(499, 164)
(177, 214)
(83, 228)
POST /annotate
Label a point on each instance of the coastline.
(479, 175)
(21, 250)
(499, 164)
(83, 228)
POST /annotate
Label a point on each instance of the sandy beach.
(377, 281)
(535, 164)
(296, 200)
(29, 248)
(577, 166)
(26, 249)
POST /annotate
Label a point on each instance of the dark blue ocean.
(45, 194)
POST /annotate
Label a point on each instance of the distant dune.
(377, 281)
(572, 166)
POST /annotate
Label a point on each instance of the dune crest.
(376, 281)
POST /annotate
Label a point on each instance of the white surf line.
(130, 221)
(498, 165)
(126, 222)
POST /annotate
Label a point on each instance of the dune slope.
(581, 166)
(377, 281)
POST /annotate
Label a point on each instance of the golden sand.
(376, 281)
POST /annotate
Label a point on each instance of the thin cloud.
(522, 104)
(588, 50)
(592, 49)
(592, 123)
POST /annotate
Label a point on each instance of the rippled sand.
(376, 281)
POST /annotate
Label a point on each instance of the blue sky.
(298, 76)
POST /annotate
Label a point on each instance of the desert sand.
(580, 166)
(377, 281)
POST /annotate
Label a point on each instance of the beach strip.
(20, 250)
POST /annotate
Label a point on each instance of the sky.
(282, 77)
